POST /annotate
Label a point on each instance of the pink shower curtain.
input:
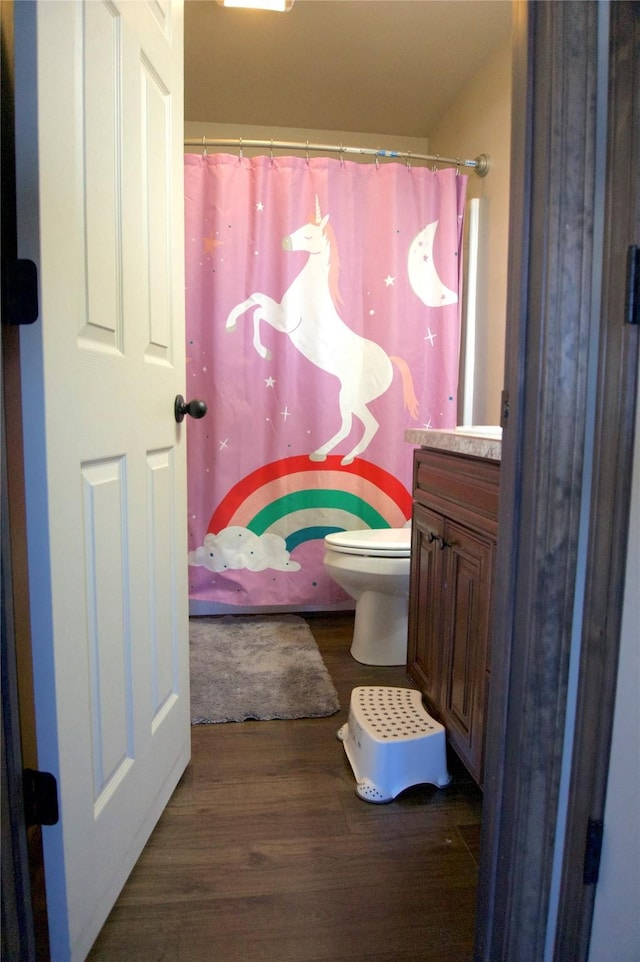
(323, 319)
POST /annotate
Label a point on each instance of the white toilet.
(372, 566)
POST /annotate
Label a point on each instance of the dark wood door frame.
(23, 897)
(571, 373)
(611, 487)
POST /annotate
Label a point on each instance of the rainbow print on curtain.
(323, 319)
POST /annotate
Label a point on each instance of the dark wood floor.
(266, 854)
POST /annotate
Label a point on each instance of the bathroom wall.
(616, 925)
(417, 145)
(479, 121)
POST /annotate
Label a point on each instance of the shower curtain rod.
(480, 164)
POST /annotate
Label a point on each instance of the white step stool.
(392, 743)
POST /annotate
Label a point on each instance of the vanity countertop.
(479, 441)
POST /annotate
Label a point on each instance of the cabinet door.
(425, 632)
(468, 564)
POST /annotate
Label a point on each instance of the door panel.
(459, 697)
(469, 564)
(108, 632)
(425, 647)
(99, 144)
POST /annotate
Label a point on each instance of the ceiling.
(372, 66)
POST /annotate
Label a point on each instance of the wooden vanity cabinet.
(454, 532)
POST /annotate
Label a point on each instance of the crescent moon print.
(423, 275)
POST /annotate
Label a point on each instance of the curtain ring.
(341, 156)
(271, 150)
(204, 148)
(409, 161)
(457, 166)
(240, 153)
(378, 159)
(306, 156)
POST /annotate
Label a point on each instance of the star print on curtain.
(323, 320)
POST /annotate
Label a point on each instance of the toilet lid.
(380, 542)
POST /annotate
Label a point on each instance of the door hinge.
(632, 286)
(19, 292)
(504, 408)
(593, 851)
(40, 790)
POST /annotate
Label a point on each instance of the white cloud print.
(237, 548)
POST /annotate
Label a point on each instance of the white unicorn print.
(308, 314)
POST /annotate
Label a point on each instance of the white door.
(100, 193)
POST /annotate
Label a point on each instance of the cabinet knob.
(440, 540)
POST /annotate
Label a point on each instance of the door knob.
(195, 409)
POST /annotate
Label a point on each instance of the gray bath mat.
(256, 667)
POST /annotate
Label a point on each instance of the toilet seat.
(377, 543)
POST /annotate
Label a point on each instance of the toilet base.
(381, 629)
